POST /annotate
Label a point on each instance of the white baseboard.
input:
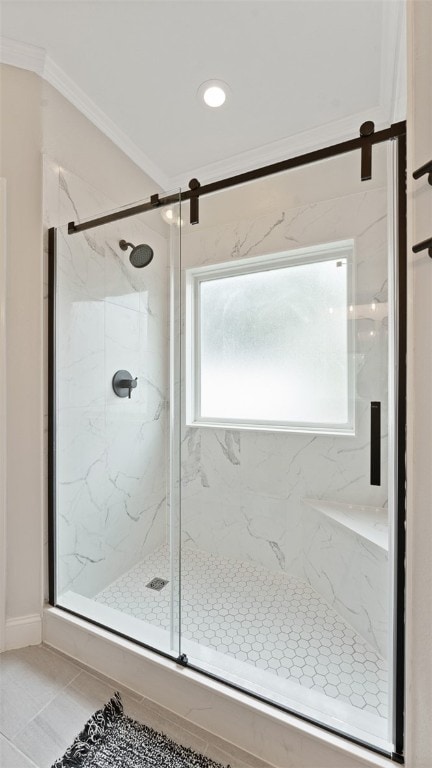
(23, 631)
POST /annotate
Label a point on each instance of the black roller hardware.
(194, 186)
(366, 129)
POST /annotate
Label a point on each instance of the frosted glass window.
(270, 342)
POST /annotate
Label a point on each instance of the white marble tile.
(79, 266)
(78, 200)
(112, 495)
(111, 452)
(364, 595)
(80, 354)
(352, 573)
(122, 352)
(328, 553)
(50, 170)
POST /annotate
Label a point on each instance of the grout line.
(51, 699)
(12, 743)
(108, 681)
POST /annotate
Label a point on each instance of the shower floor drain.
(157, 583)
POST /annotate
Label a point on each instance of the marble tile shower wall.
(242, 490)
(111, 452)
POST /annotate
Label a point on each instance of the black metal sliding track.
(396, 132)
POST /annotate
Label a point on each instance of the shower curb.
(271, 735)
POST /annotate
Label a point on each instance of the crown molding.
(57, 77)
(35, 59)
(22, 55)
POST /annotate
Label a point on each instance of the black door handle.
(375, 444)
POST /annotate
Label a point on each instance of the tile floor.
(45, 699)
(274, 621)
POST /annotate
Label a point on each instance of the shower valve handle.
(123, 384)
(129, 384)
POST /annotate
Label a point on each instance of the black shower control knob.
(123, 384)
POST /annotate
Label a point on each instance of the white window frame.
(194, 276)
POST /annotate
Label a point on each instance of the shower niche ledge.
(371, 523)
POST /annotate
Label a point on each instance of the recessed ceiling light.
(214, 96)
(213, 93)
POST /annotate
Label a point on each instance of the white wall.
(21, 166)
(419, 448)
(3, 406)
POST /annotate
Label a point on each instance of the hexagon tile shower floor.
(274, 621)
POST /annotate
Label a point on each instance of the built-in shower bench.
(346, 560)
(369, 522)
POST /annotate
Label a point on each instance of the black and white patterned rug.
(110, 738)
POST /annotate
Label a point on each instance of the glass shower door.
(288, 441)
(116, 529)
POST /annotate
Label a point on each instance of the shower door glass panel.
(289, 322)
(117, 548)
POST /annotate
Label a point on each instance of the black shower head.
(140, 255)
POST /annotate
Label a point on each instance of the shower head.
(140, 255)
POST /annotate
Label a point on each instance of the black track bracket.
(366, 129)
(426, 168)
(424, 245)
(194, 186)
(182, 660)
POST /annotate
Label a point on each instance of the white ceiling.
(303, 73)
